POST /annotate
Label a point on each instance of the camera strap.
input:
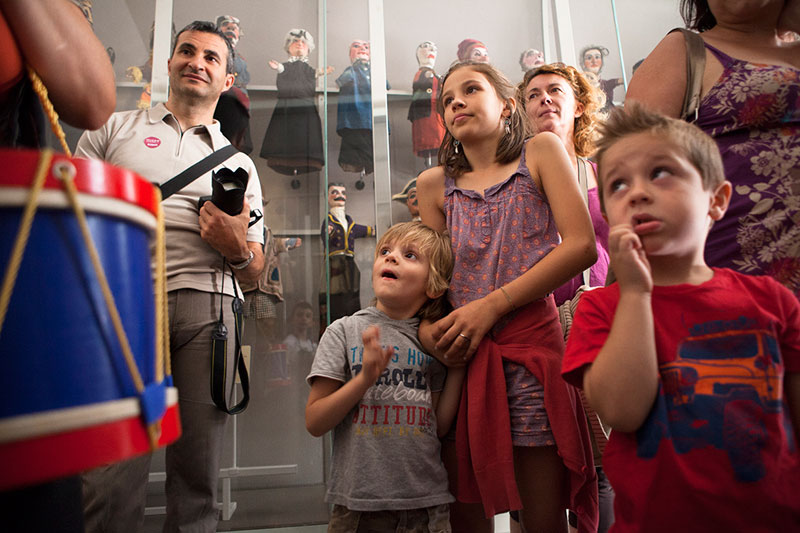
(183, 179)
(219, 350)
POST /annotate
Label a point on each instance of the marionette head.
(299, 43)
(409, 196)
(472, 50)
(337, 195)
(359, 51)
(426, 54)
(592, 58)
(531, 59)
(230, 27)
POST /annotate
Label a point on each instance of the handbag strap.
(583, 181)
(695, 66)
(186, 177)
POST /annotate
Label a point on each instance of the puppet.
(233, 107)
(293, 142)
(354, 117)
(592, 61)
(345, 278)
(427, 129)
(531, 59)
(473, 50)
(408, 196)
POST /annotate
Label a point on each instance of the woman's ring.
(462, 335)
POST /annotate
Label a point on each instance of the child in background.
(301, 342)
(696, 369)
(386, 400)
(521, 430)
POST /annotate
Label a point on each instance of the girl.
(501, 200)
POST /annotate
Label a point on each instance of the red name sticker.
(152, 142)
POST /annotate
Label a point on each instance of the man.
(159, 143)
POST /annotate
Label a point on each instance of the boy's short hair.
(435, 246)
(699, 148)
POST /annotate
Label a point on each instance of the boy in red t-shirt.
(696, 369)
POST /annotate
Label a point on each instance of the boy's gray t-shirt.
(386, 455)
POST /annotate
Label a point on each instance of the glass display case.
(376, 131)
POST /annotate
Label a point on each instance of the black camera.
(227, 190)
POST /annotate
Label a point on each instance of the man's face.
(336, 196)
(231, 31)
(197, 68)
(298, 48)
(359, 50)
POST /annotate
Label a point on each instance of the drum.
(68, 401)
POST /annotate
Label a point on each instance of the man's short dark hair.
(206, 26)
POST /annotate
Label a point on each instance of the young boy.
(386, 400)
(696, 369)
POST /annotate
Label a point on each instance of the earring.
(456, 143)
(508, 125)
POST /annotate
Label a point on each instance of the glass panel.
(596, 50)
(642, 25)
(350, 152)
(505, 31)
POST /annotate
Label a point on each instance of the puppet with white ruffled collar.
(293, 142)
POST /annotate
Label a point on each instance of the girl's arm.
(329, 400)
(548, 160)
(446, 402)
(622, 382)
(660, 82)
(430, 193)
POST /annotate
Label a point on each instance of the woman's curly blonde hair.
(592, 98)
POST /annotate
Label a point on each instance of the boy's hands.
(628, 259)
(375, 358)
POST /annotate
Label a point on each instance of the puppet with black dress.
(427, 129)
(293, 142)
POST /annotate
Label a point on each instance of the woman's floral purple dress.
(753, 113)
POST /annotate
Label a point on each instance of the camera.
(227, 190)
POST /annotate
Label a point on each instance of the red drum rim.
(92, 177)
(35, 425)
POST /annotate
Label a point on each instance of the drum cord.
(163, 363)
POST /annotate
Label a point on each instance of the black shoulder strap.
(183, 179)
(695, 66)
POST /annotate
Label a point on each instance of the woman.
(559, 99)
(749, 105)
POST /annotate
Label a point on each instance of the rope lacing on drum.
(65, 173)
